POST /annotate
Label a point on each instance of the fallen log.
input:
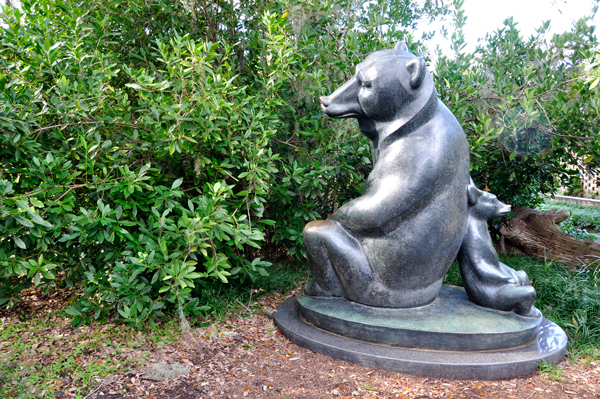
(535, 233)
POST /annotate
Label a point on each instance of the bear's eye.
(367, 84)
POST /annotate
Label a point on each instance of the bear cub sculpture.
(489, 282)
(392, 246)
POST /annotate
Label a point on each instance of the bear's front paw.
(518, 277)
(523, 278)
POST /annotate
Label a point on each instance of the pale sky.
(486, 16)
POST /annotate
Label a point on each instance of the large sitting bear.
(392, 246)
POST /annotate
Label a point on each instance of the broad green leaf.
(20, 243)
(23, 221)
(73, 311)
(36, 203)
(48, 275)
(163, 247)
(38, 219)
(23, 204)
(222, 278)
(77, 322)
(177, 183)
(262, 271)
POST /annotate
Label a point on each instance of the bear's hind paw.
(313, 289)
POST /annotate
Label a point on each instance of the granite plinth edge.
(549, 346)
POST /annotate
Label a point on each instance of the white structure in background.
(590, 184)
(590, 187)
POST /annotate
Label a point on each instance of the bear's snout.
(504, 209)
(343, 103)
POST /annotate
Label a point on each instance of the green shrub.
(526, 106)
(149, 164)
(142, 185)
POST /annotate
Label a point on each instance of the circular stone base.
(451, 323)
(549, 346)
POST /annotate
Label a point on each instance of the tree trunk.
(535, 233)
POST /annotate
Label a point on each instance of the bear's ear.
(401, 47)
(417, 69)
(473, 194)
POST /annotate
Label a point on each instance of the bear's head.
(389, 86)
(485, 205)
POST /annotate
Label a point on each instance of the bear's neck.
(416, 114)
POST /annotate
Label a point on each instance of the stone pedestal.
(452, 337)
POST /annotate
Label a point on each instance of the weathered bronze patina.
(379, 261)
(392, 246)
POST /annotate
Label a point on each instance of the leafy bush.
(143, 162)
(118, 177)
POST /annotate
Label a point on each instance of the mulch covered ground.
(249, 358)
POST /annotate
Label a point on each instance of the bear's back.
(419, 245)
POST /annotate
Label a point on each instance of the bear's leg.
(337, 262)
(326, 282)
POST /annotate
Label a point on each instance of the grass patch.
(44, 355)
(453, 276)
(552, 372)
(584, 222)
(569, 298)
(227, 299)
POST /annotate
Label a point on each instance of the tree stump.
(534, 233)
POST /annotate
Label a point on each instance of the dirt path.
(249, 358)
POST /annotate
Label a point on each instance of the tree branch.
(93, 123)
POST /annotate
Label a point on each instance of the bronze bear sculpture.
(392, 246)
(488, 281)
